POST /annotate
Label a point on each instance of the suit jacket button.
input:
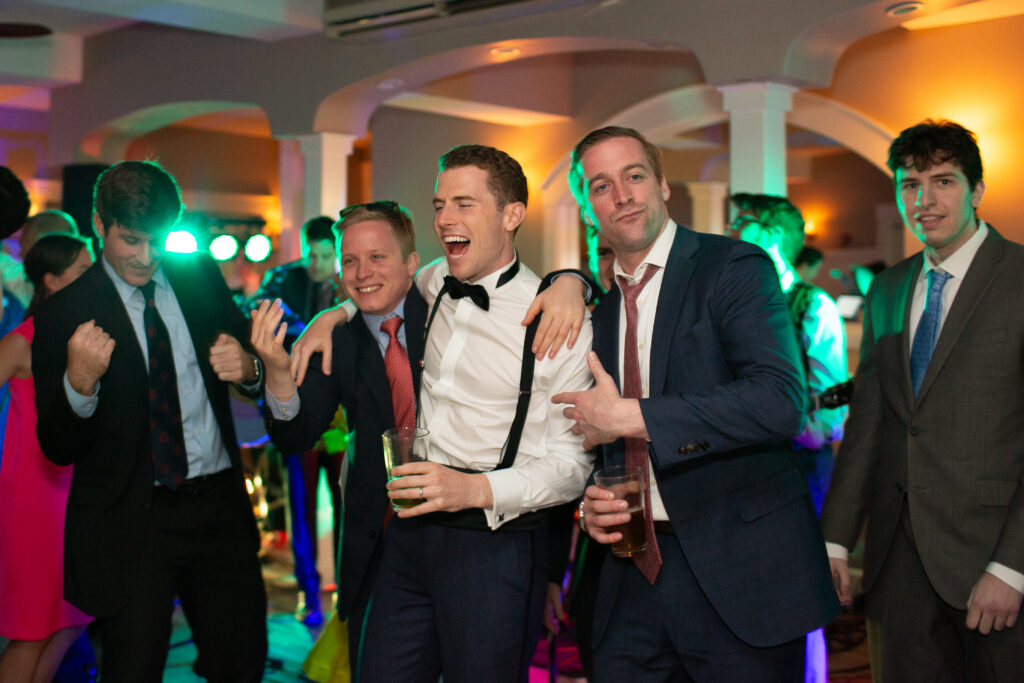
(914, 431)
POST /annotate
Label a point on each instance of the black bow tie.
(458, 289)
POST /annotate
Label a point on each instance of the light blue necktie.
(927, 328)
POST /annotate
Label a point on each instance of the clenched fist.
(89, 352)
(230, 361)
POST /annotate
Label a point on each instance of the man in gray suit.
(934, 451)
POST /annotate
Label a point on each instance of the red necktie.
(170, 463)
(396, 365)
(649, 561)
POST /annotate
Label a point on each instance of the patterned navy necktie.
(170, 462)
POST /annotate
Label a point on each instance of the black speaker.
(76, 196)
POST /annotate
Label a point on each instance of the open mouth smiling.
(456, 245)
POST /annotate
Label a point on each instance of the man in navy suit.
(732, 577)
(378, 257)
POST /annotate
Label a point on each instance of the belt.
(198, 485)
(474, 518)
(663, 527)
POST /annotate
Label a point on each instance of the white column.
(313, 172)
(326, 172)
(290, 176)
(757, 136)
(708, 200)
(561, 235)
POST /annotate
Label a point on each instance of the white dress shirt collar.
(959, 261)
(656, 256)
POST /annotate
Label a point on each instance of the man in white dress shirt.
(461, 586)
(933, 456)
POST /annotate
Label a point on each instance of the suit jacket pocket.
(996, 491)
(770, 495)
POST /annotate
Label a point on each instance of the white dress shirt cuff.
(83, 406)
(286, 411)
(350, 308)
(836, 551)
(506, 495)
(1012, 578)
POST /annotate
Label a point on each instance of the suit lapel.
(371, 369)
(187, 283)
(972, 289)
(415, 313)
(906, 295)
(670, 300)
(606, 333)
(116, 322)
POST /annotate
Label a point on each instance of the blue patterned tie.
(927, 328)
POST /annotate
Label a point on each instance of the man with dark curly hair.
(933, 457)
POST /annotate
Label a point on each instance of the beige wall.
(405, 151)
(971, 74)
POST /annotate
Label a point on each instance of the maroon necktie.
(396, 365)
(170, 463)
(649, 561)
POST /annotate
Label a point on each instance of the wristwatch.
(257, 370)
(583, 521)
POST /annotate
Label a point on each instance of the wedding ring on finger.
(421, 492)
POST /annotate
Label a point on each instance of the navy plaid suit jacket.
(726, 396)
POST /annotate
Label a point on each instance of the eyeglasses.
(385, 206)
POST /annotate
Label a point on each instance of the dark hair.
(319, 229)
(53, 253)
(775, 214)
(808, 256)
(505, 177)
(14, 202)
(137, 195)
(932, 142)
(595, 137)
(392, 213)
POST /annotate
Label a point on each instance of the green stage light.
(224, 248)
(181, 242)
(257, 248)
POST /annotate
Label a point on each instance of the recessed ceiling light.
(11, 30)
(505, 51)
(902, 9)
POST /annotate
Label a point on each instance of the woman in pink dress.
(34, 493)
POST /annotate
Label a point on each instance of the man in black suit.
(732, 576)
(378, 262)
(158, 507)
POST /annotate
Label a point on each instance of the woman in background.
(34, 492)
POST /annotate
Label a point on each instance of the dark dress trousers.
(726, 396)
